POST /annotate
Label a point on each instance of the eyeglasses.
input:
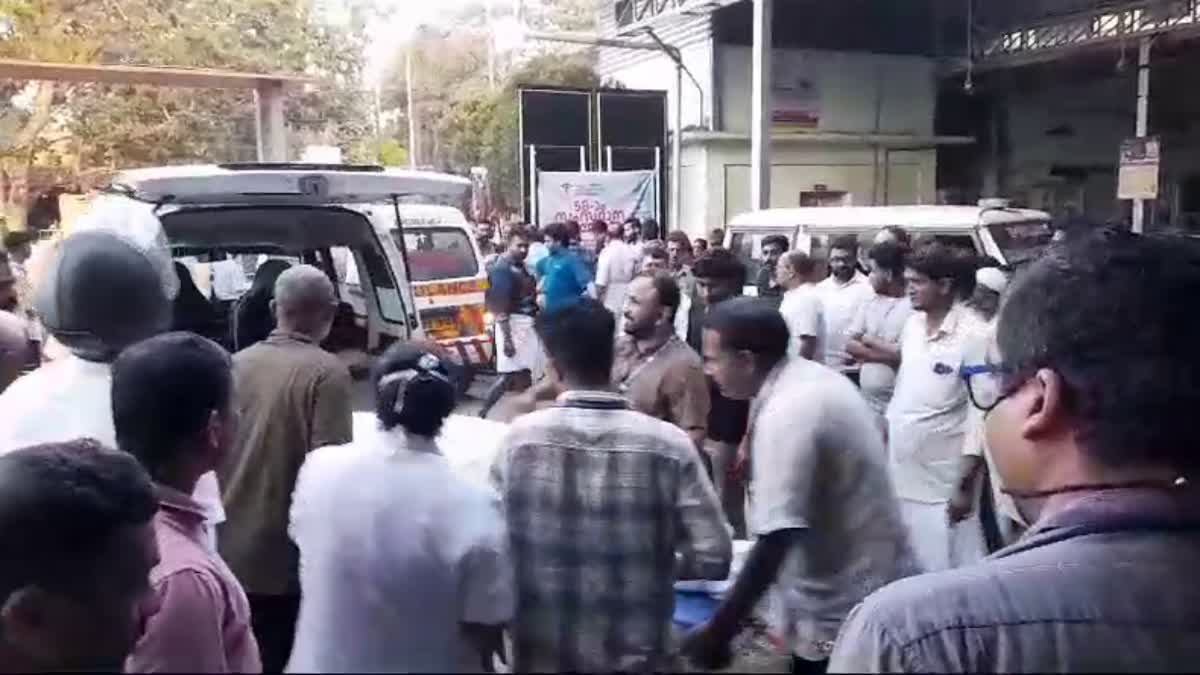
(985, 385)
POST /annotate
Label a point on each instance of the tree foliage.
(464, 122)
(122, 126)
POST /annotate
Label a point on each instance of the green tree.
(391, 153)
(462, 121)
(121, 126)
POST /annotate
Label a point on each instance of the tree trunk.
(14, 194)
(16, 160)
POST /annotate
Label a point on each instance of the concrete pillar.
(677, 151)
(1143, 120)
(760, 107)
(270, 123)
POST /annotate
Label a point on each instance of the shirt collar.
(950, 323)
(652, 349)
(176, 501)
(1133, 509)
(411, 442)
(593, 399)
(858, 278)
(279, 335)
(769, 383)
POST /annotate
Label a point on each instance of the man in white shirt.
(927, 417)
(99, 294)
(404, 561)
(1006, 521)
(801, 306)
(619, 262)
(875, 333)
(842, 294)
(828, 529)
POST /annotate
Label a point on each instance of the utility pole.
(1143, 120)
(760, 107)
(412, 107)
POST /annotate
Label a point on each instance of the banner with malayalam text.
(586, 197)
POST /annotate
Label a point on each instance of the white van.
(320, 215)
(1011, 236)
(448, 279)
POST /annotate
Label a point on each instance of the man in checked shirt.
(606, 509)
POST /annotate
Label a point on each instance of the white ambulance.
(345, 219)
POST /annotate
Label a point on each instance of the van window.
(439, 253)
(964, 242)
(1021, 242)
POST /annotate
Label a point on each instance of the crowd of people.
(877, 423)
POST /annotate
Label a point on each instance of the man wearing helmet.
(106, 287)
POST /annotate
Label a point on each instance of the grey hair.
(303, 288)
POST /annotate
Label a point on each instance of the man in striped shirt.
(606, 509)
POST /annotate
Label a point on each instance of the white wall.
(854, 90)
(851, 87)
(694, 204)
(906, 177)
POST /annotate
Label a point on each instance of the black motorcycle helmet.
(101, 294)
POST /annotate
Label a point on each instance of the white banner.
(586, 197)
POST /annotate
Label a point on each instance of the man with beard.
(843, 295)
(773, 248)
(512, 299)
(485, 238)
(719, 277)
(659, 374)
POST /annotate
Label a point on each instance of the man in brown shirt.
(293, 397)
(659, 373)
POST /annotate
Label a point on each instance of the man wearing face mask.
(1090, 424)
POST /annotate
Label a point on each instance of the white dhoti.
(938, 544)
(528, 354)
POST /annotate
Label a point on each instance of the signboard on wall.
(795, 90)
(1138, 176)
(585, 197)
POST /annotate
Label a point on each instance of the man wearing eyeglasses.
(1090, 417)
(927, 416)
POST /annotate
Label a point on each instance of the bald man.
(293, 397)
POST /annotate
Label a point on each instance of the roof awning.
(207, 78)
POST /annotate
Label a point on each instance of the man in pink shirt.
(172, 408)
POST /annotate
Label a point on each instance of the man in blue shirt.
(564, 276)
